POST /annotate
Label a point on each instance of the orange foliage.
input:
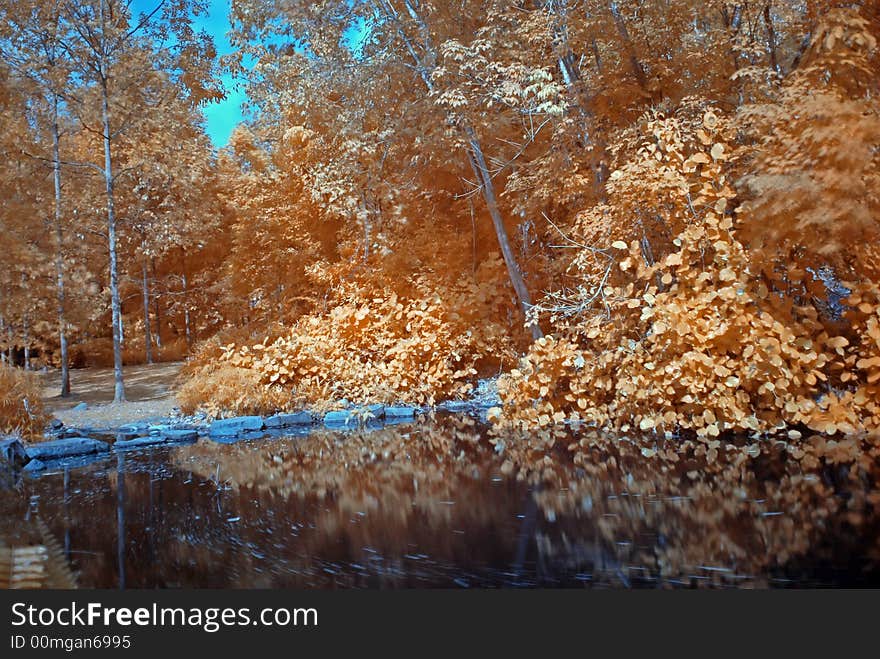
(221, 389)
(693, 338)
(813, 168)
(369, 346)
(21, 407)
(376, 228)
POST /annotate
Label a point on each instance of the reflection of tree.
(358, 469)
(38, 563)
(680, 512)
(332, 495)
(427, 505)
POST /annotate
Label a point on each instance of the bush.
(370, 346)
(685, 331)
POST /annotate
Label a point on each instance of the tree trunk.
(59, 255)
(598, 57)
(474, 154)
(148, 339)
(157, 310)
(732, 22)
(771, 39)
(115, 305)
(157, 336)
(27, 344)
(186, 323)
(571, 74)
(478, 162)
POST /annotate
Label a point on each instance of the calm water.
(440, 506)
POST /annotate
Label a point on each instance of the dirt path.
(149, 389)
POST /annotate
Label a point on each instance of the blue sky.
(221, 118)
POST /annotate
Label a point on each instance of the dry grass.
(221, 389)
(21, 408)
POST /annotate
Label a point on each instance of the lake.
(444, 504)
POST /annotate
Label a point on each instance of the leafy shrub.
(693, 338)
(368, 346)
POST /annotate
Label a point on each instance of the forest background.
(656, 214)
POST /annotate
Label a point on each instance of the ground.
(148, 388)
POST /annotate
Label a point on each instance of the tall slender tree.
(124, 58)
(31, 43)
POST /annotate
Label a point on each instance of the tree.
(122, 59)
(31, 43)
(401, 41)
(166, 206)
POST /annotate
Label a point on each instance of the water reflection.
(749, 513)
(35, 559)
(442, 505)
